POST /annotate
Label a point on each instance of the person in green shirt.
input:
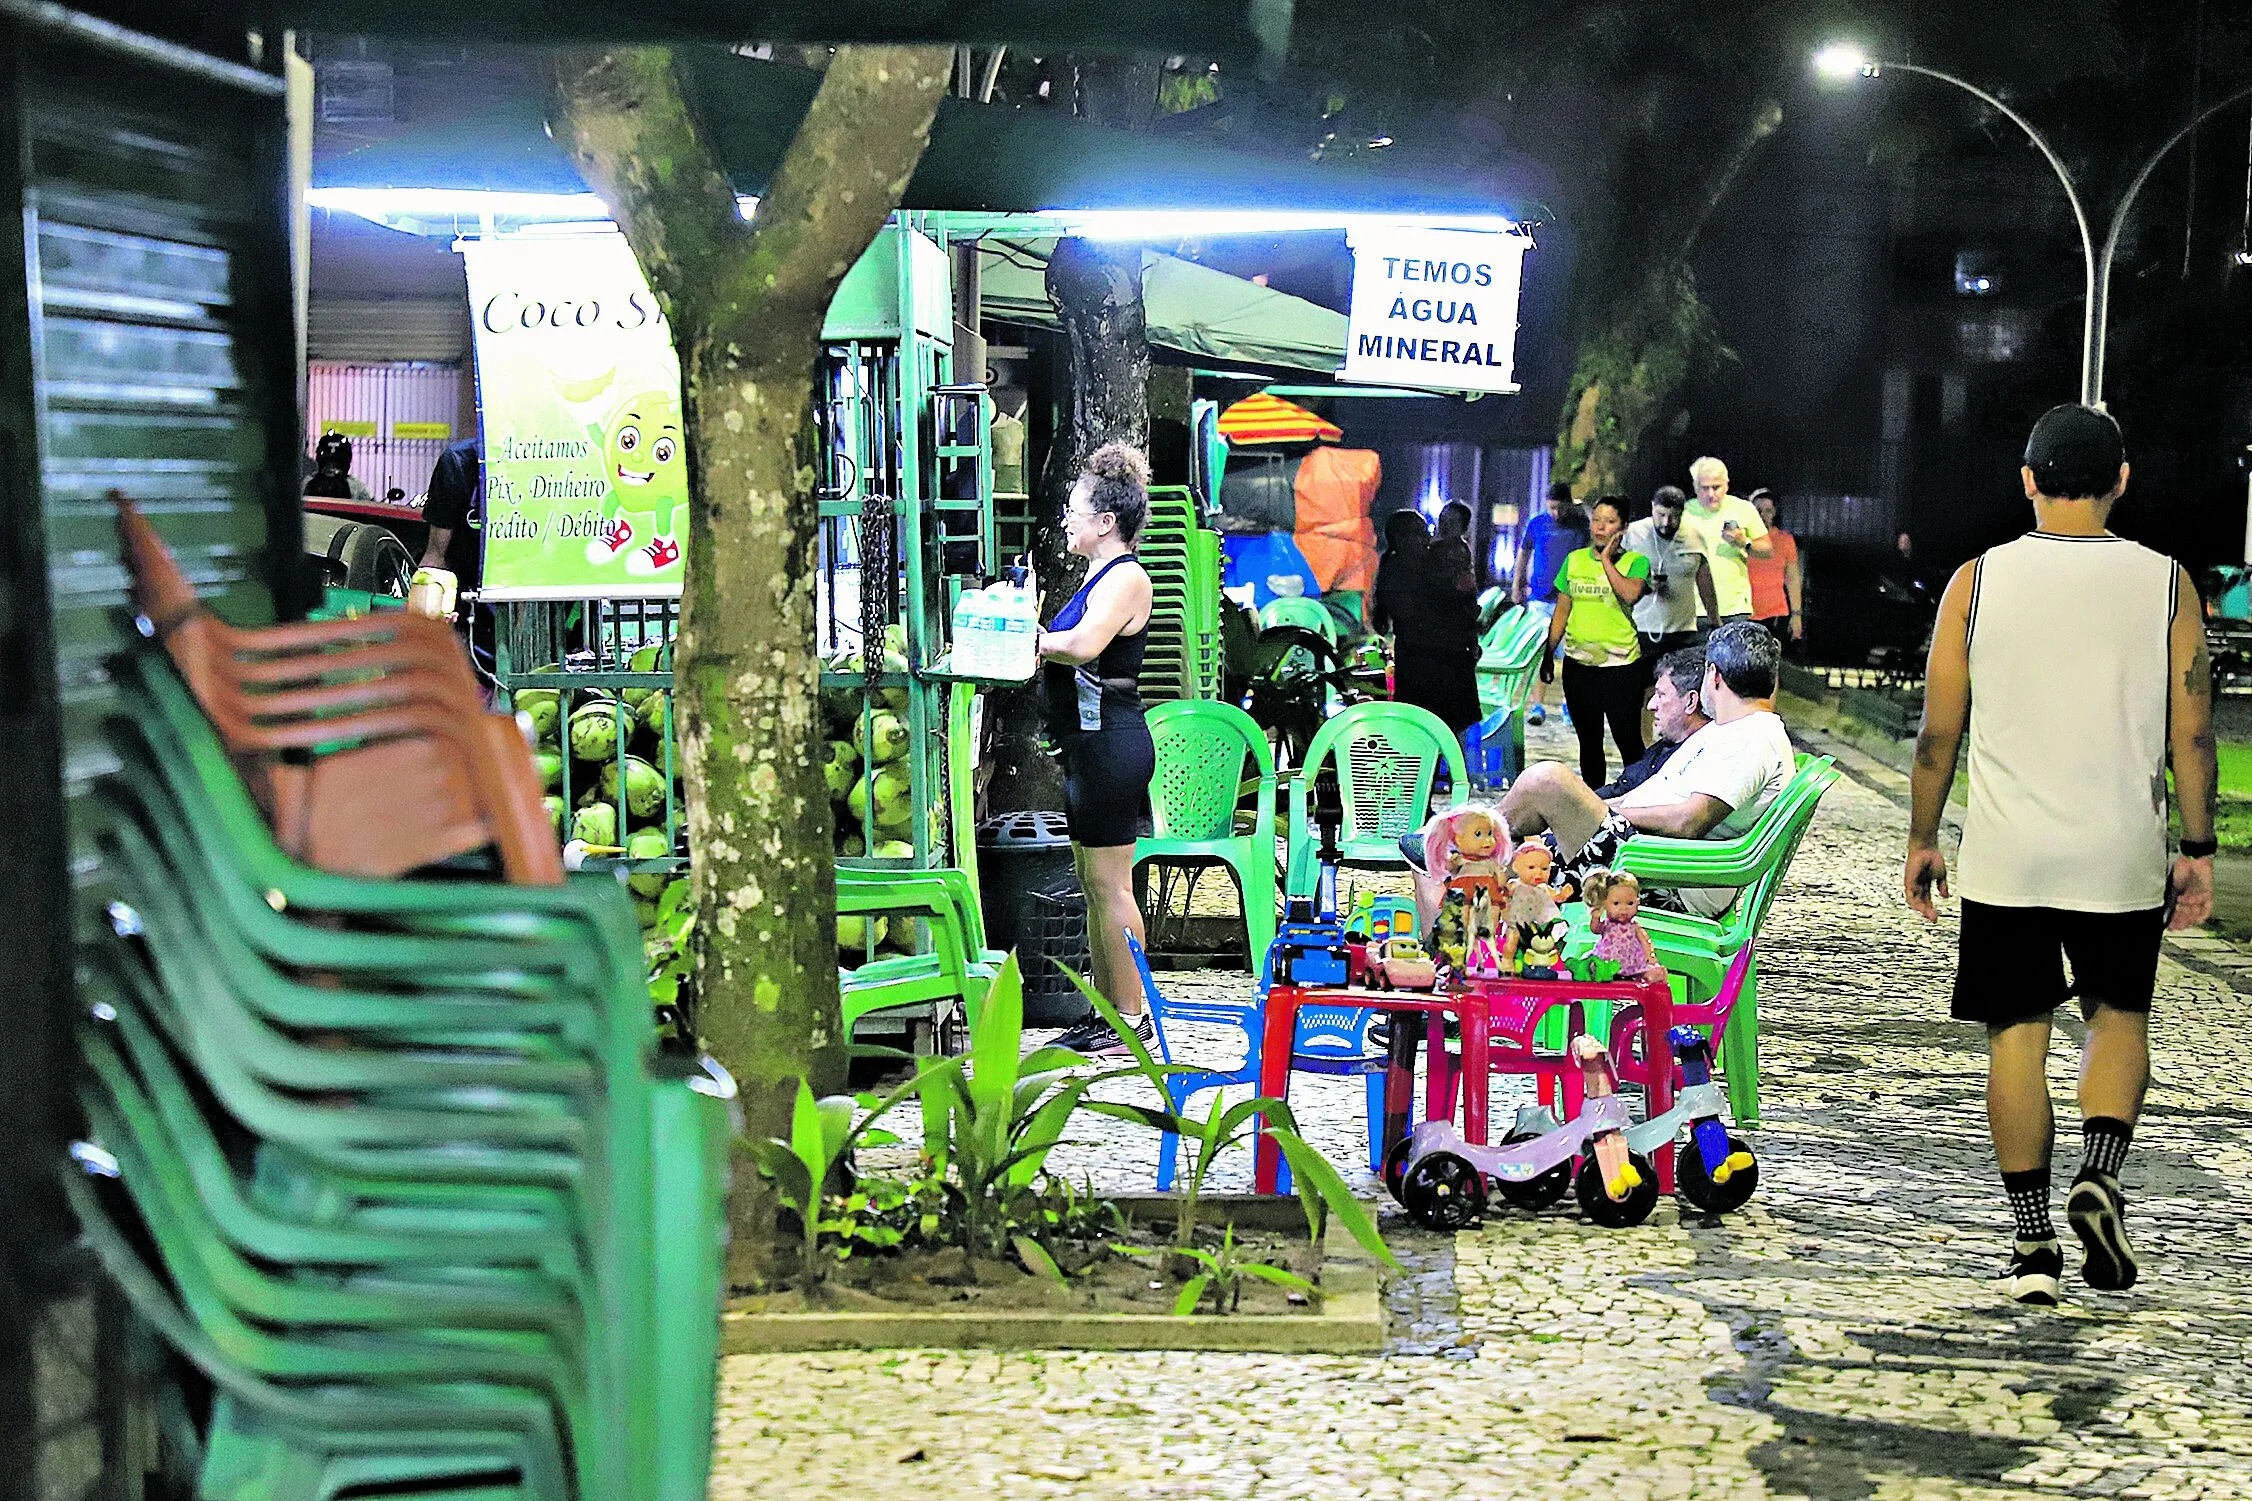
(1596, 586)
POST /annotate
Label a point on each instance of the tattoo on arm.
(2197, 678)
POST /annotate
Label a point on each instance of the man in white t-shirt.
(1715, 787)
(1727, 530)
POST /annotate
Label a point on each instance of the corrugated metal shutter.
(387, 328)
(383, 409)
(166, 362)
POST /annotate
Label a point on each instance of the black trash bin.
(1032, 903)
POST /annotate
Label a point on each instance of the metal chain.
(876, 570)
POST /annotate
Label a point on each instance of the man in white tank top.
(2076, 660)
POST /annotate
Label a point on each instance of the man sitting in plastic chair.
(1715, 786)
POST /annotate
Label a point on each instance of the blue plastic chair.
(1330, 1040)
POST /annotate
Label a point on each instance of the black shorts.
(2011, 965)
(1106, 777)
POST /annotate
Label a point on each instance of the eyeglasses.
(1084, 517)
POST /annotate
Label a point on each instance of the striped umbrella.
(1270, 419)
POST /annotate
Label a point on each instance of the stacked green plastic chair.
(1697, 951)
(1208, 756)
(399, 1165)
(1508, 659)
(1182, 656)
(1388, 757)
(955, 963)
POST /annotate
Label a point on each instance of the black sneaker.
(2097, 1211)
(1093, 1038)
(2035, 1274)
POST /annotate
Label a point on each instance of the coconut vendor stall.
(583, 475)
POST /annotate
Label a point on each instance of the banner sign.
(1435, 308)
(586, 467)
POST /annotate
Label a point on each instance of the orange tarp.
(1336, 487)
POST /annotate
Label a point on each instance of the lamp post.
(1843, 62)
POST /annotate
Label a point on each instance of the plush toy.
(1463, 850)
(1533, 930)
(1622, 950)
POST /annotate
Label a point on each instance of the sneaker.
(2097, 1211)
(1093, 1038)
(1536, 715)
(2035, 1274)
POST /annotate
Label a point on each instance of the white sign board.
(1435, 308)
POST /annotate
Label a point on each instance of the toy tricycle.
(1441, 1178)
(1717, 1172)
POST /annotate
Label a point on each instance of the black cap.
(2075, 452)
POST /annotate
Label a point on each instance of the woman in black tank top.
(1091, 654)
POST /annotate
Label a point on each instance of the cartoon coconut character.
(646, 465)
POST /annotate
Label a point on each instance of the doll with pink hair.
(1465, 850)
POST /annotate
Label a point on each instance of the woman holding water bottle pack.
(1091, 655)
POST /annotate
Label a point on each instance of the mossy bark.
(746, 303)
(1653, 331)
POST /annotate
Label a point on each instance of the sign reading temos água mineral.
(1434, 308)
(586, 467)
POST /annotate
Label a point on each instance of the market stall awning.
(982, 158)
(1270, 419)
(1191, 308)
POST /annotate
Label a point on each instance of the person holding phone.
(1595, 587)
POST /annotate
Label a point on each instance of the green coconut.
(594, 731)
(648, 844)
(645, 786)
(596, 824)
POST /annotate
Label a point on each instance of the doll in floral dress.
(1614, 905)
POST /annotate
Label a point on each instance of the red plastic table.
(1515, 1004)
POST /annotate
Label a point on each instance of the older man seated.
(1714, 787)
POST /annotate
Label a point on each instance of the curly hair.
(1121, 486)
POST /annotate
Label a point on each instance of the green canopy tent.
(1191, 308)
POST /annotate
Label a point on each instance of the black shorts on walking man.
(2075, 660)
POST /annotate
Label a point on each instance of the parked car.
(1864, 611)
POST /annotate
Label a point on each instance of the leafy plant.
(993, 1124)
(672, 966)
(822, 1134)
(1225, 1268)
(1320, 1188)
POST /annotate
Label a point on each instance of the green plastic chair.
(575, 947)
(1697, 951)
(1203, 753)
(959, 966)
(1508, 661)
(1388, 757)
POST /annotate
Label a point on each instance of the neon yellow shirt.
(1599, 632)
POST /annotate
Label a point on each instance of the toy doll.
(1463, 851)
(1533, 929)
(1622, 950)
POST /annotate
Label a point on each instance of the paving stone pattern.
(1839, 1337)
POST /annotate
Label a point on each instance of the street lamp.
(1844, 61)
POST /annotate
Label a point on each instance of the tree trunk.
(1635, 361)
(746, 304)
(1096, 289)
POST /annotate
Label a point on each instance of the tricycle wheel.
(1534, 1193)
(1444, 1192)
(1395, 1167)
(1617, 1214)
(1695, 1186)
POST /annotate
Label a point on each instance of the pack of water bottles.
(995, 629)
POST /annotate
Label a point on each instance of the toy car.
(1400, 963)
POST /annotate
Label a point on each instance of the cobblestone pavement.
(1839, 1337)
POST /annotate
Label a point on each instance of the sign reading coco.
(586, 468)
(1434, 308)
